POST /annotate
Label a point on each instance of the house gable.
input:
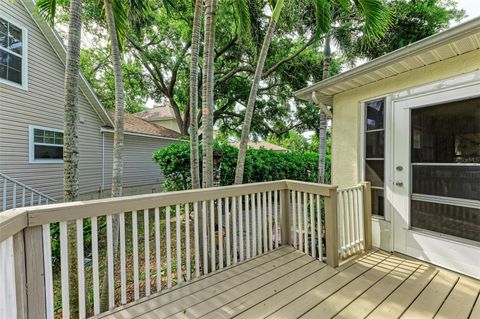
(41, 104)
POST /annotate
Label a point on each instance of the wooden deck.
(286, 283)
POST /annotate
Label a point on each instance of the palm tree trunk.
(70, 139)
(194, 159)
(117, 173)
(322, 130)
(242, 152)
(207, 93)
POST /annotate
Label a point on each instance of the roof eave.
(437, 40)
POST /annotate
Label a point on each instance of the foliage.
(94, 60)
(261, 165)
(297, 142)
(412, 21)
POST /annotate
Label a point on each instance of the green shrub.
(260, 165)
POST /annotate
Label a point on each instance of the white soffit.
(456, 41)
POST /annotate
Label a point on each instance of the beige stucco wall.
(346, 106)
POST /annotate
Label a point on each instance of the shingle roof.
(135, 124)
(262, 144)
(157, 113)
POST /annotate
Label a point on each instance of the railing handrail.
(22, 185)
(286, 212)
(343, 189)
(14, 220)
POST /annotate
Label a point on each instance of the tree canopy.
(157, 57)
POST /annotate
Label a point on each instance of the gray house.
(32, 59)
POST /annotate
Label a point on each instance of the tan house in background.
(160, 115)
(262, 144)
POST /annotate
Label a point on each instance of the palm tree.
(117, 172)
(322, 129)
(376, 22)
(241, 12)
(194, 158)
(242, 151)
(118, 14)
(207, 93)
(71, 119)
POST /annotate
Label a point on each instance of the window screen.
(11, 52)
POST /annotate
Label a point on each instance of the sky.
(472, 7)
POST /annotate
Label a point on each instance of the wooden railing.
(163, 240)
(354, 218)
(16, 194)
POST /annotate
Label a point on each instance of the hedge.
(261, 165)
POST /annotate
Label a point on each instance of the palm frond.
(241, 12)
(377, 17)
(120, 15)
(47, 9)
(323, 16)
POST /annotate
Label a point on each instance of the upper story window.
(13, 54)
(46, 145)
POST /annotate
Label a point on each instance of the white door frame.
(448, 252)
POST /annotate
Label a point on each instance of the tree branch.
(179, 62)
(231, 73)
(227, 46)
(288, 58)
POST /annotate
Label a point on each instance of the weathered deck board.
(288, 284)
(461, 300)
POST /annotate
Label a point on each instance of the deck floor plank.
(168, 296)
(238, 305)
(234, 290)
(432, 297)
(401, 298)
(370, 299)
(310, 299)
(278, 300)
(476, 309)
(461, 300)
(343, 297)
(189, 300)
(286, 283)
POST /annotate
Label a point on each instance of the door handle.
(399, 184)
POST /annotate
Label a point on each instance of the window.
(13, 56)
(375, 152)
(46, 145)
(445, 166)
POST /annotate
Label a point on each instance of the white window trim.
(31, 145)
(24, 85)
(386, 158)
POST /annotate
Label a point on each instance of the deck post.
(35, 272)
(20, 275)
(367, 215)
(285, 216)
(331, 227)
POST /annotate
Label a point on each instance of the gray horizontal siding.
(42, 105)
(139, 168)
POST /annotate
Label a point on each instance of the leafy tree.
(411, 21)
(97, 68)
(376, 21)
